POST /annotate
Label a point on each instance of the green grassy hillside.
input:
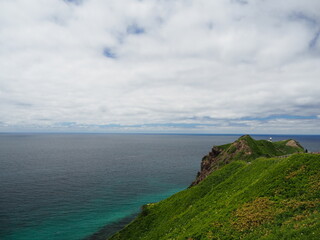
(247, 149)
(267, 198)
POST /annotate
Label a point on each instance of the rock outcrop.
(245, 148)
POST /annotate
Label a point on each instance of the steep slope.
(269, 198)
(247, 149)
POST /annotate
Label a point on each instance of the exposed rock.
(246, 149)
(219, 156)
(293, 143)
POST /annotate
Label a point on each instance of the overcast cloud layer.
(203, 66)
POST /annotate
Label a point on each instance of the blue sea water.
(69, 186)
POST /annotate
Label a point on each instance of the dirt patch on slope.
(292, 143)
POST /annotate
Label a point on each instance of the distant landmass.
(248, 189)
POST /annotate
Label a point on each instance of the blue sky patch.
(300, 16)
(135, 29)
(152, 125)
(109, 53)
(273, 117)
(236, 124)
(314, 40)
(175, 125)
(110, 126)
(242, 2)
(77, 2)
(66, 124)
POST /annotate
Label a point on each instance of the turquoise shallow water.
(77, 225)
(69, 186)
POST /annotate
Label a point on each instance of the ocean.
(87, 186)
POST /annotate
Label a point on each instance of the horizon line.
(157, 133)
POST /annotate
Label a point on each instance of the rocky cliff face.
(245, 148)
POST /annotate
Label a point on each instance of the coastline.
(110, 229)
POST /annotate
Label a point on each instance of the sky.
(160, 66)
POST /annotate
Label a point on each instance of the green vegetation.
(249, 149)
(246, 149)
(267, 198)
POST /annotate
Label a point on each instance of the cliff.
(247, 191)
(247, 149)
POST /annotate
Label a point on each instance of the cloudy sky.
(179, 66)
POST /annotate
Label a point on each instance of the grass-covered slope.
(247, 149)
(268, 198)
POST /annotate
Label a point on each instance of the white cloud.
(218, 64)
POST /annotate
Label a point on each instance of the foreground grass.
(268, 198)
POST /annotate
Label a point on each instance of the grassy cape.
(254, 194)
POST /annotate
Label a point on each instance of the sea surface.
(87, 186)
